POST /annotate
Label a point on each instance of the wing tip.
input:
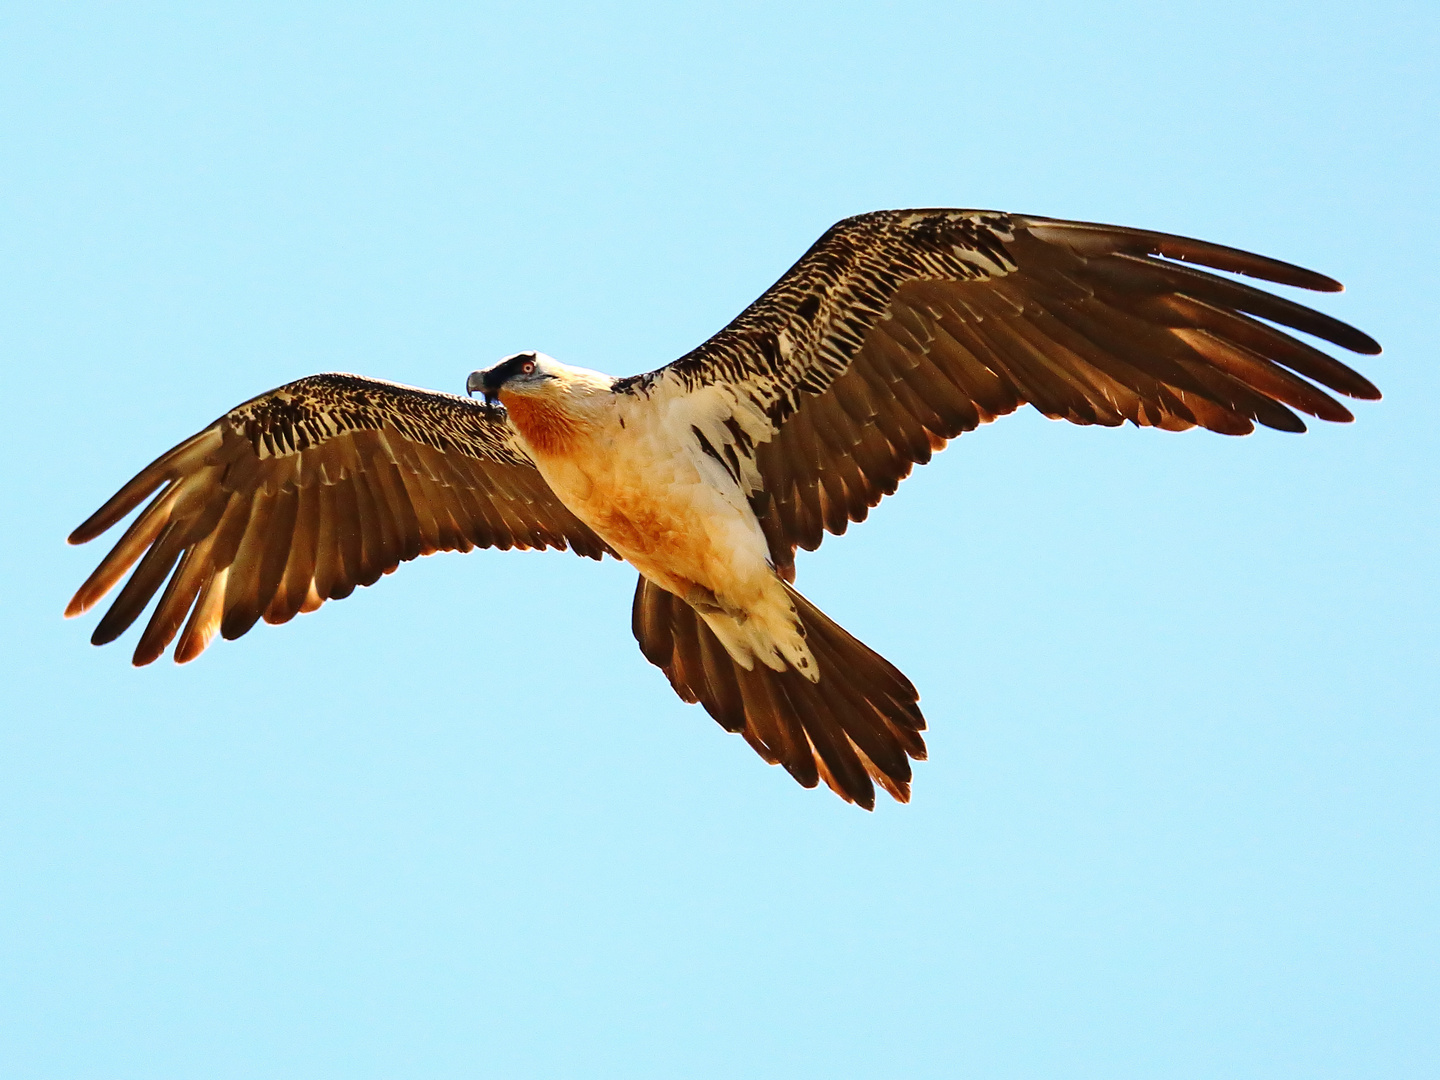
(97, 524)
(1369, 346)
(104, 635)
(188, 649)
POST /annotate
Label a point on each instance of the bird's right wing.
(299, 495)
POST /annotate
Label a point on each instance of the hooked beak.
(475, 382)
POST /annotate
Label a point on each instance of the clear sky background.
(1180, 818)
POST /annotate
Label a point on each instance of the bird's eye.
(528, 367)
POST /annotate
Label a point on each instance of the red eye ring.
(528, 366)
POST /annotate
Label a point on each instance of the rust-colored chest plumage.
(637, 485)
(547, 426)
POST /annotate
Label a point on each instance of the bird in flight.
(897, 331)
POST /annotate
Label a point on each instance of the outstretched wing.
(858, 725)
(299, 495)
(901, 329)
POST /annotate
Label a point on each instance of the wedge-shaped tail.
(860, 722)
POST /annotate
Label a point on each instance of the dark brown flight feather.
(299, 495)
(858, 726)
(899, 330)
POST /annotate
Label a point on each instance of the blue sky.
(1180, 817)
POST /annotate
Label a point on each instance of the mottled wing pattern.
(301, 494)
(901, 329)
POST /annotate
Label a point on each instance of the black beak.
(478, 381)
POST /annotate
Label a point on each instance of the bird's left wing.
(899, 330)
(300, 494)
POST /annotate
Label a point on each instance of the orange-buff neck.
(546, 425)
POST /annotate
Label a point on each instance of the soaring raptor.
(896, 331)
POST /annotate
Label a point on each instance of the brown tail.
(860, 720)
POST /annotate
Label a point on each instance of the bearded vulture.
(897, 331)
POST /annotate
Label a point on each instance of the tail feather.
(858, 725)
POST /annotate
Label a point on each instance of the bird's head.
(539, 378)
(525, 373)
